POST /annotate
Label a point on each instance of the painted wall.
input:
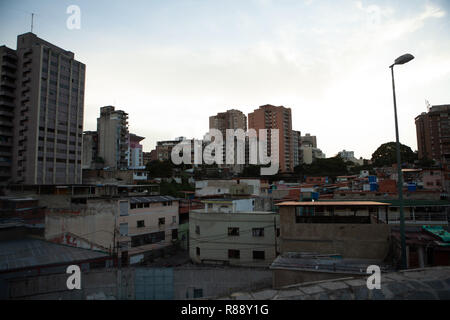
(369, 241)
(214, 241)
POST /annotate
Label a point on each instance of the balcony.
(7, 93)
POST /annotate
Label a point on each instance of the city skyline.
(290, 54)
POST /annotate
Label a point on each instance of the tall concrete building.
(90, 149)
(296, 144)
(272, 117)
(135, 154)
(48, 112)
(8, 74)
(231, 119)
(113, 137)
(308, 140)
(433, 134)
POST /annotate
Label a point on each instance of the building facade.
(433, 134)
(113, 137)
(48, 118)
(90, 149)
(8, 69)
(147, 223)
(272, 117)
(296, 144)
(235, 238)
(136, 156)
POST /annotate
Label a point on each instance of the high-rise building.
(308, 140)
(135, 155)
(433, 134)
(231, 119)
(48, 117)
(90, 149)
(296, 144)
(272, 117)
(8, 74)
(113, 137)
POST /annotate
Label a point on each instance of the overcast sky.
(172, 64)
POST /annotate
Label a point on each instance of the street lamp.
(400, 60)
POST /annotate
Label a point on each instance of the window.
(161, 221)
(174, 234)
(303, 211)
(197, 229)
(258, 232)
(141, 224)
(278, 232)
(123, 229)
(198, 293)
(233, 231)
(132, 205)
(234, 254)
(259, 255)
(197, 251)
(174, 219)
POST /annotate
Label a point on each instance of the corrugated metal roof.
(28, 253)
(322, 263)
(332, 203)
(439, 232)
(152, 199)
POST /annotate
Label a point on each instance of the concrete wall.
(120, 283)
(369, 241)
(218, 281)
(93, 222)
(214, 242)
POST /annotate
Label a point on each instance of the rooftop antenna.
(32, 20)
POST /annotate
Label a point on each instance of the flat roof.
(331, 203)
(152, 199)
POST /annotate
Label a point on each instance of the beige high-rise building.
(113, 137)
(48, 118)
(272, 117)
(231, 119)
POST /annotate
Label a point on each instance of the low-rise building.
(235, 238)
(146, 224)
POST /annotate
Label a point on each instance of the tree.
(386, 155)
(159, 169)
(330, 167)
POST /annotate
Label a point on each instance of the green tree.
(386, 155)
(329, 167)
(159, 169)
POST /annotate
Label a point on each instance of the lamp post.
(400, 60)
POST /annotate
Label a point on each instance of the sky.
(172, 64)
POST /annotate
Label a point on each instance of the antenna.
(32, 20)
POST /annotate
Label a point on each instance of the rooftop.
(416, 284)
(27, 253)
(333, 263)
(331, 203)
(152, 199)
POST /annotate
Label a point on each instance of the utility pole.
(275, 234)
